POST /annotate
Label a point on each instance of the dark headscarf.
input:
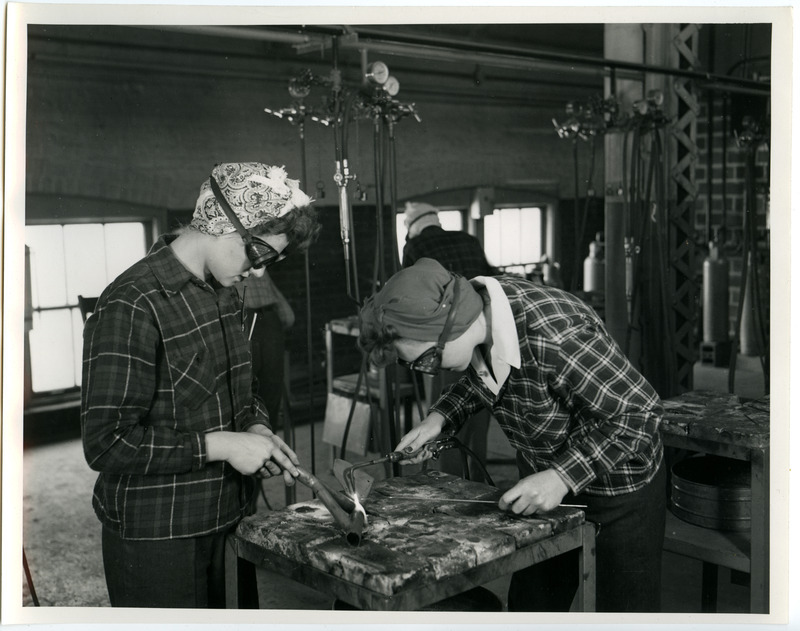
(417, 299)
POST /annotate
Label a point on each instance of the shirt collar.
(168, 270)
(505, 344)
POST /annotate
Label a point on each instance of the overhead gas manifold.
(598, 116)
(587, 120)
(299, 90)
(751, 135)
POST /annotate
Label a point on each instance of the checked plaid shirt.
(575, 403)
(165, 361)
(457, 252)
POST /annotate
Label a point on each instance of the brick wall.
(735, 189)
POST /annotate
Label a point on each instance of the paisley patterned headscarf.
(417, 299)
(256, 192)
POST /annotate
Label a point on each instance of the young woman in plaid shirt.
(584, 422)
(168, 414)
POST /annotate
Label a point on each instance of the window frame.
(65, 210)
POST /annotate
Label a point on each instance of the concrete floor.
(62, 536)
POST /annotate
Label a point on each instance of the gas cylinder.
(715, 296)
(594, 266)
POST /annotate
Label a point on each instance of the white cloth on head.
(418, 216)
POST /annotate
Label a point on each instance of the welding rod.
(252, 326)
(445, 500)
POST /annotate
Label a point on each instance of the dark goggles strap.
(448, 324)
(226, 208)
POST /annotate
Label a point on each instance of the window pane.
(491, 239)
(48, 281)
(125, 245)
(77, 344)
(451, 219)
(531, 235)
(85, 260)
(52, 363)
(400, 226)
(512, 235)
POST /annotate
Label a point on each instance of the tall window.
(450, 220)
(68, 260)
(513, 239)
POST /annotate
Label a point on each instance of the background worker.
(457, 251)
(584, 422)
(462, 253)
(269, 317)
(169, 418)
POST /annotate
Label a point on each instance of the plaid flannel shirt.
(165, 361)
(458, 252)
(575, 404)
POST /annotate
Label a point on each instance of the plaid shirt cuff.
(450, 426)
(575, 471)
(258, 415)
(197, 443)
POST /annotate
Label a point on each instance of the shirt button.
(483, 373)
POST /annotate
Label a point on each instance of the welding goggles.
(430, 362)
(259, 252)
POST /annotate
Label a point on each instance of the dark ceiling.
(534, 63)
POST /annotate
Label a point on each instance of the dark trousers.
(174, 573)
(630, 538)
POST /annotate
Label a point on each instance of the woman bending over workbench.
(583, 420)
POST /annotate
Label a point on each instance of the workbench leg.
(708, 591)
(231, 573)
(241, 589)
(587, 583)
(759, 531)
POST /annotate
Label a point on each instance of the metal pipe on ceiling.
(487, 59)
(377, 36)
(247, 33)
(451, 49)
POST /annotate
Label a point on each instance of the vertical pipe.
(290, 491)
(576, 263)
(623, 42)
(709, 161)
(393, 197)
(377, 144)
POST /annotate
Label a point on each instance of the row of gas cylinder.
(715, 305)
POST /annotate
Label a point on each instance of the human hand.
(257, 452)
(425, 432)
(537, 493)
(289, 474)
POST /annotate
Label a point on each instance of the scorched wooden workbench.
(417, 549)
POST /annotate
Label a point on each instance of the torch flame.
(359, 507)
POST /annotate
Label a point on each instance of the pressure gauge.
(377, 72)
(656, 97)
(392, 86)
(298, 89)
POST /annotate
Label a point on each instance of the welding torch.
(435, 447)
